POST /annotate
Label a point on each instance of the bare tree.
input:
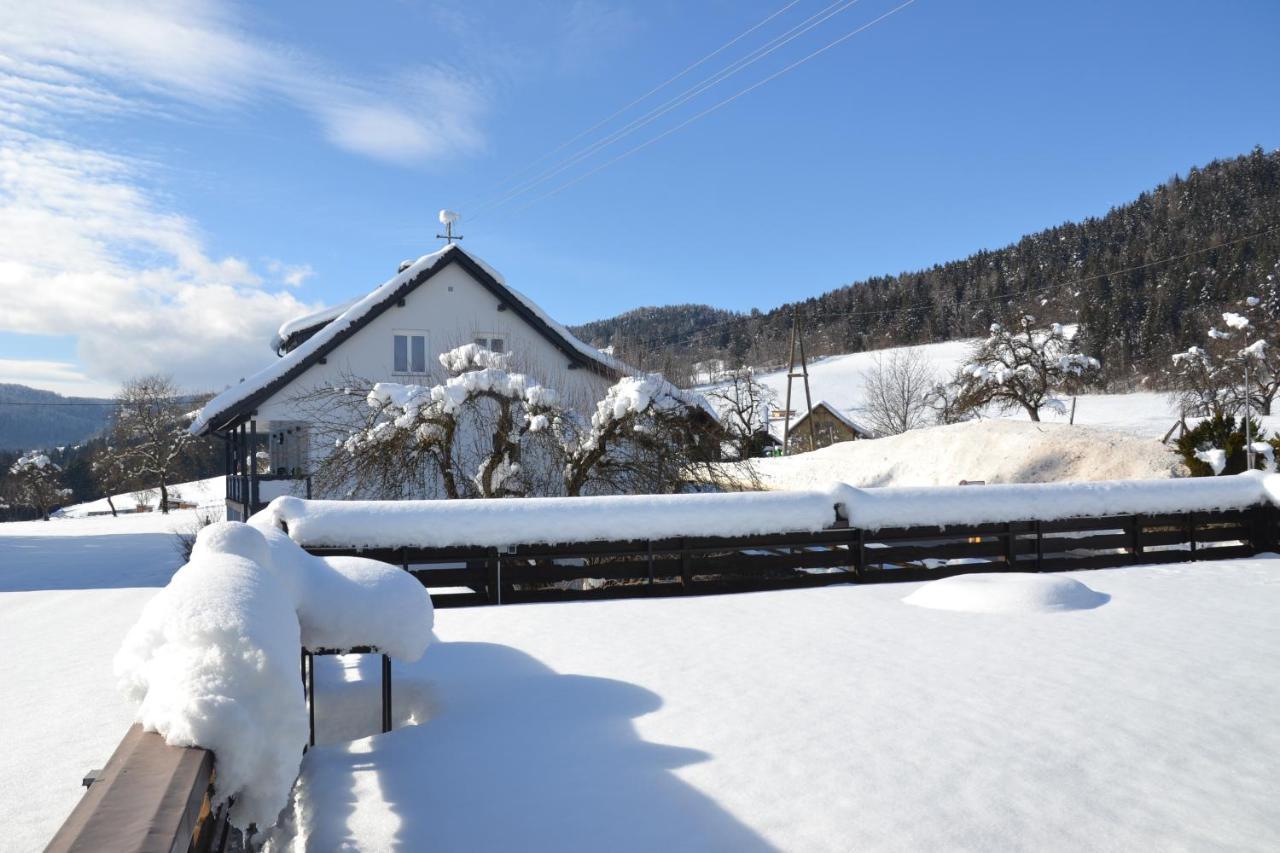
(744, 403)
(898, 391)
(35, 481)
(1024, 368)
(149, 432)
(110, 474)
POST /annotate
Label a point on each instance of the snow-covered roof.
(308, 321)
(242, 397)
(838, 415)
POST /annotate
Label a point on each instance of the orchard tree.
(1025, 368)
(1210, 380)
(35, 481)
(489, 432)
(744, 403)
(149, 433)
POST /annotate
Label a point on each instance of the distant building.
(830, 425)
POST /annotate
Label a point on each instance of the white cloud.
(85, 251)
(79, 56)
(291, 274)
(59, 376)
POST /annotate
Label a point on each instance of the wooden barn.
(830, 425)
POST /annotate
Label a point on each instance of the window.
(409, 352)
(490, 341)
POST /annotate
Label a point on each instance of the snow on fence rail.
(522, 521)
(472, 552)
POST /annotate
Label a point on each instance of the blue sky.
(176, 179)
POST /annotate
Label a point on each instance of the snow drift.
(213, 660)
(996, 451)
(1007, 592)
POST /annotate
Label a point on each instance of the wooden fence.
(463, 576)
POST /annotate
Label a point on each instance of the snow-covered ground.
(839, 380)
(994, 451)
(69, 590)
(207, 494)
(1139, 716)
(1136, 716)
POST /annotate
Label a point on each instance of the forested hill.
(31, 418)
(1145, 280)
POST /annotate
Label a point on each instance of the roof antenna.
(447, 218)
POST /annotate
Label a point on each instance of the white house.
(395, 333)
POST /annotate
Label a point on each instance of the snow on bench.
(213, 660)
(529, 521)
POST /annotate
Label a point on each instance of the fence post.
(1010, 547)
(386, 693)
(1039, 545)
(494, 572)
(685, 577)
(1191, 532)
(1261, 528)
(1135, 539)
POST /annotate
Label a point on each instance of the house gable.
(265, 387)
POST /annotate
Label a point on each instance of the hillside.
(32, 418)
(1144, 278)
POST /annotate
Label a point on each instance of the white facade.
(395, 334)
(450, 309)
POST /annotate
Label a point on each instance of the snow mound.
(213, 660)
(994, 451)
(1007, 592)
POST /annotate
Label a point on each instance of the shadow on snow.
(112, 561)
(511, 755)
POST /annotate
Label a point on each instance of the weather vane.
(447, 218)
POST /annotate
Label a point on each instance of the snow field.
(69, 590)
(831, 719)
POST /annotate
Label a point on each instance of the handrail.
(150, 798)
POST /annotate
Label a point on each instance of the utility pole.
(1248, 437)
(797, 337)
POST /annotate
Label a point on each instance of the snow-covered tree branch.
(1025, 368)
(490, 432)
(35, 481)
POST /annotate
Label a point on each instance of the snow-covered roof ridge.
(838, 415)
(289, 328)
(267, 381)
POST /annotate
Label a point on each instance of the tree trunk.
(112, 504)
(164, 497)
(1033, 412)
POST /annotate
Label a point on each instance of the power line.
(709, 330)
(679, 100)
(646, 95)
(718, 105)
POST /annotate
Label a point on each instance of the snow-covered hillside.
(995, 451)
(208, 494)
(839, 380)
